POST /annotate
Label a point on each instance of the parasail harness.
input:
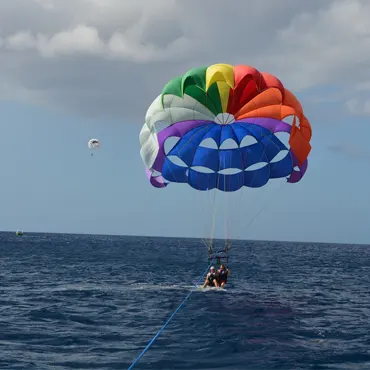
(220, 257)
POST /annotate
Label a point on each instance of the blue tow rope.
(171, 317)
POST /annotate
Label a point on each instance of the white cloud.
(329, 45)
(80, 40)
(21, 41)
(47, 4)
(137, 42)
(359, 107)
(60, 50)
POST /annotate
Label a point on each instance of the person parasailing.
(222, 274)
(221, 103)
(211, 278)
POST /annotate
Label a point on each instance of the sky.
(71, 70)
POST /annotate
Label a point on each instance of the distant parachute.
(93, 144)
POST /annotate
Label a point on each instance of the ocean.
(94, 302)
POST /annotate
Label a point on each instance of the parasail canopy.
(216, 128)
(93, 143)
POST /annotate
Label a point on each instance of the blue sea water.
(94, 302)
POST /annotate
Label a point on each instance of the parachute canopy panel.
(237, 109)
(93, 143)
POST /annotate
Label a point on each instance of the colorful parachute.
(218, 104)
(93, 144)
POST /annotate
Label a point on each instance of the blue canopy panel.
(200, 166)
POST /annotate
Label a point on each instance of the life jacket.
(211, 277)
(222, 275)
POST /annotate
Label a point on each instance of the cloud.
(327, 44)
(80, 40)
(112, 57)
(358, 106)
(85, 40)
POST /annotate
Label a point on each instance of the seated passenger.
(211, 278)
(222, 275)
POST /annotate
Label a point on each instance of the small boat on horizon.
(19, 232)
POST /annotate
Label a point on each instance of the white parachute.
(93, 144)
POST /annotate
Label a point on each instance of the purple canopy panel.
(271, 124)
(156, 181)
(177, 129)
(297, 175)
(180, 128)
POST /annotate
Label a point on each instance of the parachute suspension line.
(228, 215)
(235, 220)
(206, 212)
(230, 193)
(211, 236)
(225, 205)
(209, 243)
(210, 208)
(214, 213)
(230, 224)
(264, 207)
(182, 148)
(255, 200)
(210, 251)
(261, 189)
(172, 315)
(208, 240)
